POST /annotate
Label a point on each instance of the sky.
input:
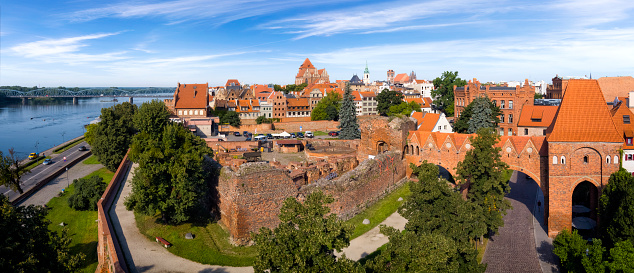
(136, 43)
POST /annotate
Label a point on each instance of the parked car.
(269, 136)
(300, 135)
(248, 138)
(82, 148)
(309, 134)
(220, 139)
(47, 161)
(333, 133)
(32, 156)
(236, 134)
(245, 133)
(293, 135)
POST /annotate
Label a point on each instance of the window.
(502, 118)
(563, 160)
(439, 128)
(555, 160)
(616, 160)
(626, 119)
(180, 112)
(544, 132)
(495, 102)
(510, 104)
(510, 118)
(501, 131)
(510, 131)
(525, 132)
(585, 159)
(628, 157)
(628, 140)
(502, 104)
(607, 159)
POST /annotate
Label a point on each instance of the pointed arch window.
(555, 160)
(563, 159)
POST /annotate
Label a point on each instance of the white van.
(257, 138)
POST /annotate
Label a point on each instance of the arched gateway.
(582, 145)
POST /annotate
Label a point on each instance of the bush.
(87, 193)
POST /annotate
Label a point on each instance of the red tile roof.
(428, 122)
(401, 78)
(302, 69)
(613, 87)
(583, 115)
(299, 102)
(356, 96)
(234, 81)
(537, 116)
(625, 129)
(368, 94)
(191, 96)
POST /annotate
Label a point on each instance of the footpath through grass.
(209, 246)
(68, 146)
(378, 212)
(82, 227)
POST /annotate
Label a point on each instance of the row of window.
(510, 131)
(510, 118)
(194, 112)
(526, 132)
(586, 159)
(502, 104)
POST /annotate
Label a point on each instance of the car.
(82, 148)
(269, 136)
(293, 135)
(220, 139)
(248, 138)
(300, 135)
(333, 133)
(32, 156)
(245, 133)
(309, 134)
(236, 134)
(47, 161)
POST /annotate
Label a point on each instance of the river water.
(36, 127)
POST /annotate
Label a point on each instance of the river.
(37, 126)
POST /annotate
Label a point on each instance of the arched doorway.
(584, 209)
(381, 147)
(444, 173)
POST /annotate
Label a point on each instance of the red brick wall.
(376, 129)
(320, 125)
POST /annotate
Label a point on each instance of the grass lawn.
(91, 160)
(507, 175)
(209, 246)
(320, 133)
(82, 227)
(68, 146)
(481, 249)
(379, 211)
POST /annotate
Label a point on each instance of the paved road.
(512, 249)
(39, 172)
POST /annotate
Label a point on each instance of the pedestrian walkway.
(370, 241)
(544, 245)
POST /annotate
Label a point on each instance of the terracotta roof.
(234, 81)
(255, 102)
(356, 96)
(191, 96)
(300, 102)
(367, 94)
(613, 87)
(583, 115)
(428, 122)
(537, 116)
(302, 68)
(257, 88)
(401, 78)
(624, 125)
(428, 102)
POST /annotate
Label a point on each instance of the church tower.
(390, 76)
(366, 74)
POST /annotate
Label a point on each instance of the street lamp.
(63, 133)
(67, 181)
(36, 149)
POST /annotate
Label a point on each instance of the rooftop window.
(626, 119)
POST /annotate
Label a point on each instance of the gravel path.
(370, 241)
(512, 249)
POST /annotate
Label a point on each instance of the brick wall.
(383, 133)
(320, 125)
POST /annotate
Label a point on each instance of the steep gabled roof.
(625, 126)
(401, 78)
(583, 115)
(428, 122)
(191, 96)
(234, 81)
(537, 116)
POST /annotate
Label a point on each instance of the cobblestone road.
(512, 249)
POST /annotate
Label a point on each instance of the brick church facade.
(310, 75)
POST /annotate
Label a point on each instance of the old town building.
(511, 100)
(190, 100)
(535, 119)
(308, 74)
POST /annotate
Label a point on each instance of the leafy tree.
(305, 239)
(570, 248)
(480, 113)
(622, 257)
(29, 246)
(481, 172)
(113, 134)
(88, 191)
(387, 99)
(152, 117)
(327, 108)
(616, 208)
(348, 117)
(11, 170)
(170, 179)
(404, 109)
(538, 96)
(277, 87)
(443, 91)
(263, 119)
(232, 118)
(90, 134)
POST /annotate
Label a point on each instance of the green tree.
(480, 113)
(616, 208)
(305, 239)
(152, 117)
(90, 134)
(88, 191)
(570, 248)
(170, 179)
(482, 172)
(11, 170)
(113, 134)
(387, 99)
(443, 91)
(622, 257)
(538, 96)
(262, 119)
(348, 117)
(404, 109)
(327, 108)
(29, 246)
(232, 118)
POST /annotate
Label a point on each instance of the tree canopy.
(482, 172)
(29, 246)
(151, 117)
(616, 208)
(88, 191)
(232, 118)
(305, 240)
(404, 109)
(327, 108)
(113, 134)
(348, 117)
(387, 99)
(480, 113)
(11, 170)
(443, 91)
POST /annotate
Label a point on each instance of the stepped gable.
(302, 68)
(583, 115)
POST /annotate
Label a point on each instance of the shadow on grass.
(213, 270)
(89, 249)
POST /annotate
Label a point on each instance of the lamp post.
(37, 151)
(63, 140)
(67, 181)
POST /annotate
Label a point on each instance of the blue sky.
(160, 43)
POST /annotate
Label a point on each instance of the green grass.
(481, 249)
(91, 160)
(82, 227)
(209, 246)
(379, 211)
(320, 133)
(68, 146)
(507, 174)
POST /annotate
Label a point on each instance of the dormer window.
(626, 119)
(628, 141)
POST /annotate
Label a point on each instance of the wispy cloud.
(179, 11)
(590, 13)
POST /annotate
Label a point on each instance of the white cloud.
(590, 12)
